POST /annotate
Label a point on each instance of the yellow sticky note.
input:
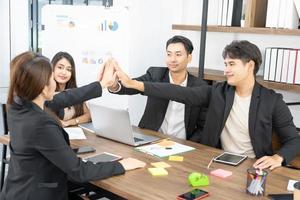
(160, 164)
(176, 158)
(158, 171)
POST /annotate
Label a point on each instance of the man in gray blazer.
(170, 117)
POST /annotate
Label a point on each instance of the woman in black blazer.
(41, 158)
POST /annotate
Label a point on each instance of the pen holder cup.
(256, 182)
(297, 190)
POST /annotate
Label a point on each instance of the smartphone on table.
(195, 194)
(85, 149)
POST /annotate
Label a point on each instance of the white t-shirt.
(235, 136)
(173, 123)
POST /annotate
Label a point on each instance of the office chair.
(4, 131)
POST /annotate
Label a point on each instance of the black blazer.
(41, 158)
(267, 112)
(156, 108)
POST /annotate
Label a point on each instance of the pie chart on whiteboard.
(113, 26)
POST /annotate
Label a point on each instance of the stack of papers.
(164, 148)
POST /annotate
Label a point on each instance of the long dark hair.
(72, 82)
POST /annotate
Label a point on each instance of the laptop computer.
(114, 123)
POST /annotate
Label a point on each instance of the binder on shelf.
(212, 18)
(237, 14)
(297, 5)
(220, 12)
(285, 65)
(279, 65)
(224, 12)
(291, 18)
(267, 63)
(282, 14)
(273, 64)
(269, 14)
(297, 69)
(292, 66)
(229, 12)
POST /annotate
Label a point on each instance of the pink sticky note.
(221, 173)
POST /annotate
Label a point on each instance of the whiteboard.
(90, 34)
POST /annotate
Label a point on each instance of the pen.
(210, 162)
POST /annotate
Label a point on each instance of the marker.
(210, 162)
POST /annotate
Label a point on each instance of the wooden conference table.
(140, 184)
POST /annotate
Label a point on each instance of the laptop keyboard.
(137, 139)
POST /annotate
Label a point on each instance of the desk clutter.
(159, 169)
(196, 179)
(256, 182)
(164, 148)
(221, 173)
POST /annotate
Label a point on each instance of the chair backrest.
(276, 146)
(3, 120)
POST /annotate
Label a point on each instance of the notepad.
(160, 164)
(165, 148)
(75, 133)
(221, 173)
(158, 171)
(176, 158)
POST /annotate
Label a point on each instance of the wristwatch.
(77, 120)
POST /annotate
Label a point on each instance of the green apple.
(197, 179)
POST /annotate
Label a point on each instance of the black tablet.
(230, 158)
(103, 157)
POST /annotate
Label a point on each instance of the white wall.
(19, 26)
(151, 22)
(4, 43)
(15, 28)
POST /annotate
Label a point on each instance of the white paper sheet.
(75, 133)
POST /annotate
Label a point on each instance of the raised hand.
(123, 77)
(128, 82)
(107, 76)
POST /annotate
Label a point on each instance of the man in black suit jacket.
(242, 113)
(158, 114)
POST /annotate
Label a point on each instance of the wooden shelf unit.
(230, 29)
(218, 75)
